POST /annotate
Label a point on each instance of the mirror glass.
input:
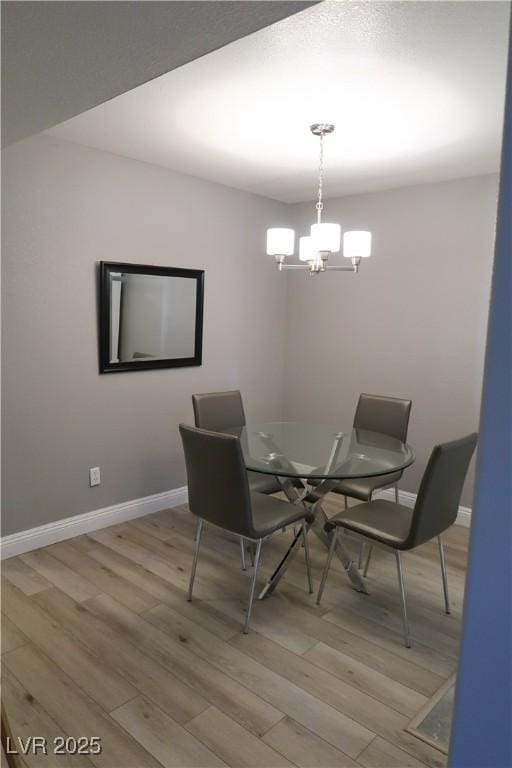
(151, 317)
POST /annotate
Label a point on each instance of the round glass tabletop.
(320, 451)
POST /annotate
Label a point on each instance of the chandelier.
(324, 238)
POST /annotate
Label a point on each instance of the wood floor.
(98, 640)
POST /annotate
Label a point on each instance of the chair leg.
(402, 598)
(397, 494)
(308, 561)
(445, 578)
(199, 531)
(360, 557)
(253, 586)
(250, 547)
(327, 565)
(242, 554)
(368, 558)
(346, 502)
(362, 550)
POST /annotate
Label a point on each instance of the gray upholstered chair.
(390, 416)
(217, 411)
(398, 528)
(218, 493)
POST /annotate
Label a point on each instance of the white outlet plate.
(94, 476)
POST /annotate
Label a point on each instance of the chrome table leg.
(282, 566)
(317, 527)
(341, 552)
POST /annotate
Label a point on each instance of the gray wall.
(65, 208)
(411, 324)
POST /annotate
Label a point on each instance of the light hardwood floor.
(98, 640)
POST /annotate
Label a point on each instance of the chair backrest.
(437, 503)
(388, 415)
(218, 489)
(218, 410)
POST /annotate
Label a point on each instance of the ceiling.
(61, 58)
(416, 90)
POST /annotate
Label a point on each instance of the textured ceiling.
(416, 90)
(61, 58)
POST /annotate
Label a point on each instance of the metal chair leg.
(242, 554)
(362, 547)
(308, 561)
(368, 558)
(361, 555)
(199, 531)
(445, 578)
(253, 586)
(397, 495)
(402, 598)
(327, 565)
(370, 548)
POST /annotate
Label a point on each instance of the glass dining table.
(309, 460)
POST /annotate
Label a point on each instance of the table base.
(312, 502)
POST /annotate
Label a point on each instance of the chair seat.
(362, 487)
(260, 483)
(270, 514)
(382, 521)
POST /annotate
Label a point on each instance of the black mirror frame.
(106, 267)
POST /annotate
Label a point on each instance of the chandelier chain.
(320, 205)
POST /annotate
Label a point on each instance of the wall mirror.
(150, 317)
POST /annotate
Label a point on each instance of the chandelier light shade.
(306, 250)
(357, 244)
(280, 241)
(324, 238)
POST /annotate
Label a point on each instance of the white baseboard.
(43, 535)
(409, 500)
(51, 533)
